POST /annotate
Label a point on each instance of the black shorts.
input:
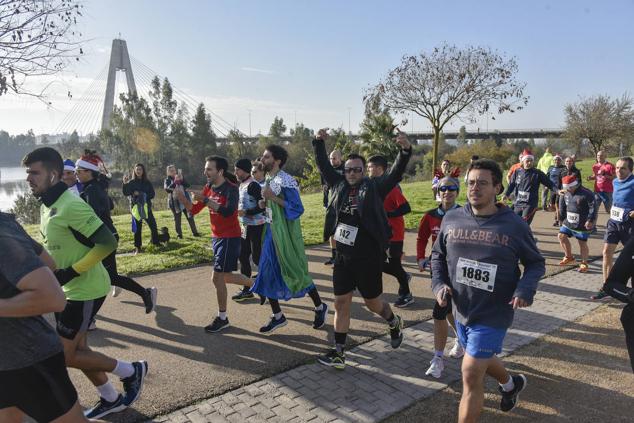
(440, 313)
(616, 232)
(42, 391)
(365, 275)
(226, 254)
(77, 316)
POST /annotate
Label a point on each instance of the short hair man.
(603, 172)
(337, 163)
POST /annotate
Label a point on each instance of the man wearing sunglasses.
(362, 234)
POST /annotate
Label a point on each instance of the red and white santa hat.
(90, 162)
(527, 154)
(569, 181)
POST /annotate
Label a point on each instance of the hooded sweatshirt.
(478, 257)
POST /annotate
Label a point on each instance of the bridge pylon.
(119, 61)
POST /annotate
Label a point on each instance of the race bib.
(476, 274)
(346, 234)
(572, 218)
(617, 213)
(523, 196)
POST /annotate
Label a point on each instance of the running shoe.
(133, 385)
(103, 408)
(116, 291)
(320, 317)
(404, 300)
(567, 261)
(509, 399)
(599, 295)
(396, 333)
(242, 295)
(274, 324)
(150, 299)
(217, 325)
(583, 267)
(456, 351)
(330, 261)
(333, 358)
(556, 224)
(437, 365)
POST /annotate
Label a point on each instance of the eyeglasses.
(445, 188)
(353, 170)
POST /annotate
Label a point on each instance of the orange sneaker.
(583, 267)
(567, 260)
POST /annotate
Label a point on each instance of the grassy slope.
(190, 251)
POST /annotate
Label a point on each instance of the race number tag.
(346, 234)
(617, 213)
(572, 218)
(476, 274)
(523, 196)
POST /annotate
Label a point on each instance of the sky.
(310, 61)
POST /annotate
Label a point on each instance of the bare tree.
(37, 37)
(601, 120)
(448, 83)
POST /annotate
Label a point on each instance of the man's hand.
(65, 275)
(268, 193)
(322, 134)
(631, 214)
(401, 139)
(589, 225)
(213, 205)
(423, 264)
(443, 296)
(262, 204)
(518, 302)
(197, 195)
(126, 178)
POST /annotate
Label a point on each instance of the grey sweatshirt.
(479, 259)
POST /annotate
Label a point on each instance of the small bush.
(26, 209)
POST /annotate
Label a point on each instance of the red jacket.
(224, 222)
(429, 226)
(396, 206)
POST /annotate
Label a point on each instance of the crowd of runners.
(473, 251)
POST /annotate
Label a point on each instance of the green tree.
(377, 133)
(278, 129)
(462, 135)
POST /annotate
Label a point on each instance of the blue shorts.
(226, 254)
(580, 235)
(616, 232)
(480, 341)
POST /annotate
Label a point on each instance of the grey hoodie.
(478, 258)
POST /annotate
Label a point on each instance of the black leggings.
(395, 268)
(627, 320)
(110, 263)
(313, 294)
(251, 246)
(177, 223)
(138, 239)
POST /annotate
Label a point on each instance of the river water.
(12, 183)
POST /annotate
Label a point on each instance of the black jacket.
(371, 194)
(95, 195)
(169, 185)
(141, 186)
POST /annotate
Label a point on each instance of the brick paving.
(379, 381)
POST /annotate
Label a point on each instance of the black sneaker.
(274, 324)
(330, 261)
(556, 224)
(217, 325)
(103, 408)
(599, 295)
(320, 317)
(396, 333)
(242, 295)
(509, 399)
(150, 299)
(333, 359)
(133, 385)
(404, 300)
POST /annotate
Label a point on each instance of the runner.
(619, 227)
(555, 173)
(475, 262)
(283, 270)
(571, 169)
(616, 286)
(78, 240)
(544, 164)
(33, 376)
(69, 177)
(429, 226)
(221, 196)
(603, 173)
(445, 170)
(251, 218)
(94, 193)
(396, 206)
(362, 233)
(578, 215)
(524, 185)
(512, 169)
(257, 171)
(337, 164)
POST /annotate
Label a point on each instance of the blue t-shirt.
(623, 197)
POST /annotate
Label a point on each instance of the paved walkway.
(379, 381)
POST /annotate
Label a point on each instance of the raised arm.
(395, 174)
(328, 173)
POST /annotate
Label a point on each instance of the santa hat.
(569, 181)
(527, 154)
(69, 165)
(557, 156)
(90, 162)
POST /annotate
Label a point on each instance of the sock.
(222, 315)
(333, 252)
(392, 320)
(107, 392)
(508, 386)
(320, 307)
(340, 341)
(123, 369)
(278, 316)
(439, 354)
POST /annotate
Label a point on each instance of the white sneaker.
(116, 291)
(457, 351)
(436, 367)
(92, 326)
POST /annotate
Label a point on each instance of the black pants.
(177, 223)
(313, 294)
(627, 320)
(110, 263)
(138, 240)
(251, 246)
(395, 268)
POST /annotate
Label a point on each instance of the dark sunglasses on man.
(445, 188)
(353, 169)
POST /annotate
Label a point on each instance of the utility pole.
(249, 123)
(349, 120)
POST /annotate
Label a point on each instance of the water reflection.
(12, 183)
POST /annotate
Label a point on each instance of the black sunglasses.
(353, 169)
(448, 188)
